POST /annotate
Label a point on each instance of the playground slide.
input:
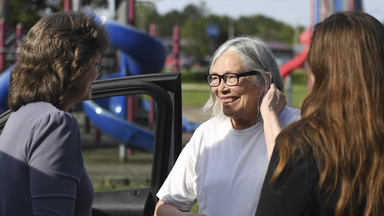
(118, 128)
(4, 86)
(141, 53)
(298, 60)
(140, 48)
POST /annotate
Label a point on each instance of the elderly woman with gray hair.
(224, 164)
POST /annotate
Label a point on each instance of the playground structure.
(139, 53)
(142, 53)
(320, 9)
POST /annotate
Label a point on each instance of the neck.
(241, 124)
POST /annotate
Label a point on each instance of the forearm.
(272, 128)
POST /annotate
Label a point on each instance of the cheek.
(252, 97)
(215, 91)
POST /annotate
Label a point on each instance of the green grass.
(195, 208)
(299, 88)
(194, 97)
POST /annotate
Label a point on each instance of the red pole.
(18, 40)
(351, 5)
(153, 30)
(131, 100)
(131, 12)
(175, 48)
(2, 33)
(325, 11)
(67, 5)
(151, 112)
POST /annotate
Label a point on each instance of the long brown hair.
(343, 116)
(55, 57)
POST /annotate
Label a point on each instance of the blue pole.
(358, 5)
(338, 5)
(317, 11)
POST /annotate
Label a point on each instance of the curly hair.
(55, 57)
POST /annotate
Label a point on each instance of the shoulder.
(288, 115)
(302, 135)
(42, 116)
(55, 132)
(208, 134)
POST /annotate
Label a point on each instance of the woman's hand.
(274, 101)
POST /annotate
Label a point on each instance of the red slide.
(298, 60)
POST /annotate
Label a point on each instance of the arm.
(55, 165)
(293, 193)
(164, 209)
(271, 107)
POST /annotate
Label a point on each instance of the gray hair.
(255, 55)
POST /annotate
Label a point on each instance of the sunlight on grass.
(299, 88)
(194, 97)
(195, 208)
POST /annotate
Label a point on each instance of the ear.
(269, 77)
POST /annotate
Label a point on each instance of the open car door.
(165, 89)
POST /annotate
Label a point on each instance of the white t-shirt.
(221, 168)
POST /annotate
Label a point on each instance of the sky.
(292, 12)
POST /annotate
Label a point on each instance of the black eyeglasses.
(230, 79)
(98, 65)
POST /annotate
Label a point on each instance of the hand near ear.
(272, 105)
(274, 100)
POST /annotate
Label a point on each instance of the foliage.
(28, 12)
(192, 20)
(193, 77)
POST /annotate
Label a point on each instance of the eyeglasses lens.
(213, 80)
(230, 79)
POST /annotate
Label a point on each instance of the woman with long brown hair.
(331, 162)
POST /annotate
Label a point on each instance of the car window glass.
(117, 143)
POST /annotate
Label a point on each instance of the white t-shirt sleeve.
(178, 189)
(289, 115)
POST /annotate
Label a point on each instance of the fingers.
(274, 100)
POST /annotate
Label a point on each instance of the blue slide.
(4, 86)
(140, 54)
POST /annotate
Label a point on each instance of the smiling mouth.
(228, 100)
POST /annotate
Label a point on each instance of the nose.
(222, 87)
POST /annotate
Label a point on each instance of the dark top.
(294, 191)
(41, 164)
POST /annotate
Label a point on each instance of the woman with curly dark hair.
(331, 162)
(41, 164)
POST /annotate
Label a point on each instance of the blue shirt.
(41, 164)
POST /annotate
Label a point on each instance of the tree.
(28, 12)
(145, 15)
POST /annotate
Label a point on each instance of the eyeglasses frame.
(238, 75)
